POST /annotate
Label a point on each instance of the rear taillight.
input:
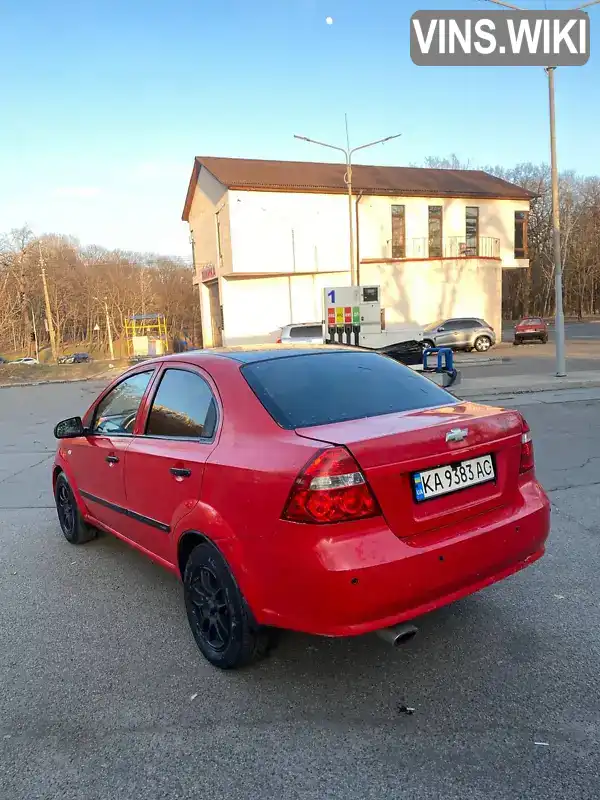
(278, 341)
(527, 459)
(331, 488)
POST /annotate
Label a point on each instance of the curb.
(45, 383)
(510, 393)
(479, 362)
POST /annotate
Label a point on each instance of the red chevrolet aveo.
(327, 490)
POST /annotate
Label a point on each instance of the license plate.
(444, 480)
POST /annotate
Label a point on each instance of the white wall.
(420, 292)
(255, 308)
(209, 199)
(289, 232)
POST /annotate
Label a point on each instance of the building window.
(472, 231)
(521, 225)
(435, 231)
(398, 232)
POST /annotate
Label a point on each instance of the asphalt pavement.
(535, 358)
(104, 694)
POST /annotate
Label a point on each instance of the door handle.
(180, 472)
(112, 459)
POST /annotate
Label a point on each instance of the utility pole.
(37, 346)
(348, 153)
(48, 308)
(559, 315)
(109, 331)
(348, 180)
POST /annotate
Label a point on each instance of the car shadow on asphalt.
(452, 659)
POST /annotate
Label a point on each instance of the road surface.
(105, 696)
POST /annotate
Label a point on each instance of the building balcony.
(449, 247)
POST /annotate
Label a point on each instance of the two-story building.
(268, 236)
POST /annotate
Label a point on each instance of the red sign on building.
(208, 272)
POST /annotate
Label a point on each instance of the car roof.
(247, 354)
(302, 325)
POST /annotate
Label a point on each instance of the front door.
(164, 465)
(98, 459)
(445, 335)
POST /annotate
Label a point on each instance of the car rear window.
(532, 321)
(300, 391)
(306, 332)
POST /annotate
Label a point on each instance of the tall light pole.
(348, 153)
(559, 316)
(48, 306)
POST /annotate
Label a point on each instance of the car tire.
(427, 343)
(221, 621)
(72, 524)
(516, 342)
(544, 340)
(482, 344)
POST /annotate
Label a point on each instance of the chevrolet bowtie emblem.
(457, 435)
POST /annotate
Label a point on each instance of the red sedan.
(531, 329)
(321, 489)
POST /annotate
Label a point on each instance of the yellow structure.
(146, 335)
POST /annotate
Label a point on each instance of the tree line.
(531, 292)
(84, 283)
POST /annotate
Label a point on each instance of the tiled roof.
(303, 176)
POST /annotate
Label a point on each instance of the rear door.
(164, 465)
(463, 331)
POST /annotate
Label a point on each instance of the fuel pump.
(352, 315)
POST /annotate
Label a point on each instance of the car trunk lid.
(391, 448)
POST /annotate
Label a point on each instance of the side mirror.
(69, 428)
(441, 329)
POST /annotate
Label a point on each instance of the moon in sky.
(329, 20)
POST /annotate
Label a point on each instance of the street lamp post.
(559, 316)
(348, 153)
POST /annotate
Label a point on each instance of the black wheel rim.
(210, 609)
(66, 508)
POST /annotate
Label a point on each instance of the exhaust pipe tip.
(398, 634)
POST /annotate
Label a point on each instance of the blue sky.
(106, 102)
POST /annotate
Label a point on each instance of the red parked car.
(321, 489)
(531, 329)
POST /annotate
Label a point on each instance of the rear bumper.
(360, 583)
(530, 335)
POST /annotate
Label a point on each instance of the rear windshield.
(300, 391)
(306, 332)
(532, 321)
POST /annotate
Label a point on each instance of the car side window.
(460, 324)
(116, 413)
(183, 406)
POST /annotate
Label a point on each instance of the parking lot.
(104, 694)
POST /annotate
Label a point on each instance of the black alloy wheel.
(210, 609)
(72, 524)
(65, 506)
(221, 621)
